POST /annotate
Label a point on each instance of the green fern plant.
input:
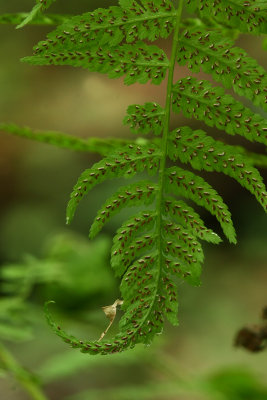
(162, 242)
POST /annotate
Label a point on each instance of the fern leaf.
(39, 19)
(40, 5)
(180, 212)
(145, 119)
(203, 152)
(125, 162)
(136, 194)
(58, 139)
(129, 22)
(199, 48)
(210, 104)
(245, 15)
(139, 62)
(184, 183)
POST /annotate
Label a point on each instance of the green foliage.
(185, 183)
(92, 145)
(125, 162)
(129, 22)
(247, 16)
(160, 244)
(41, 5)
(215, 55)
(180, 212)
(127, 196)
(205, 153)
(205, 102)
(39, 19)
(238, 384)
(62, 273)
(145, 119)
(14, 324)
(139, 62)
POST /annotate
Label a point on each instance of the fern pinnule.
(205, 153)
(181, 243)
(158, 300)
(185, 183)
(188, 272)
(215, 55)
(125, 162)
(201, 100)
(122, 257)
(136, 194)
(145, 118)
(139, 62)
(182, 213)
(244, 15)
(142, 221)
(128, 22)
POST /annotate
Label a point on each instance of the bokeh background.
(42, 259)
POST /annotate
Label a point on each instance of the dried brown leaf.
(110, 312)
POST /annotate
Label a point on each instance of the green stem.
(26, 380)
(166, 123)
(48, 19)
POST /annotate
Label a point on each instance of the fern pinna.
(162, 242)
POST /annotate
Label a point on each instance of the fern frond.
(199, 48)
(180, 212)
(39, 19)
(136, 194)
(125, 162)
(41, 5)
(58, 139)
(145, 119)
(205, 153)
(245, 15)
(201, 100)
(160, 244)
(139, 62)
(184, 183)
(131, 21)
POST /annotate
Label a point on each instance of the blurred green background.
(42, 259)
